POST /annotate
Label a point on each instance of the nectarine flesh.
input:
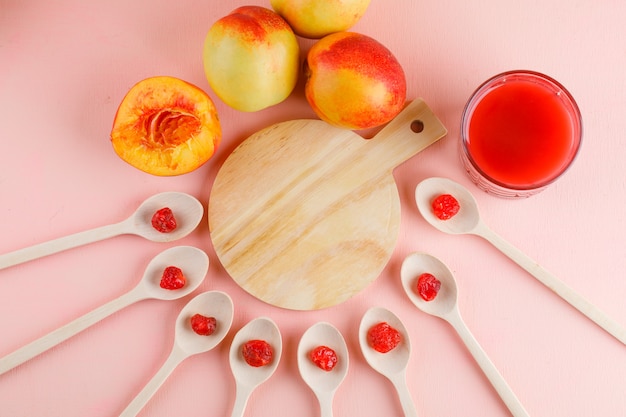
(166, 126)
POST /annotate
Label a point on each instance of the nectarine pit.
(168, 128)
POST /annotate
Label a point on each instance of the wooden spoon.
(445, 306)
(187, 343)
(187, 210)
(247, 377)
(394, 363)
(323, 383)
(194, 264)
(468, 221)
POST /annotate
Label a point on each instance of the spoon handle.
(60, 244)
(63, 333)
(399, 382)
(326, 410)
(325, 400)
(553, 283)
(489, 369)
(176, 357)
(241, 399)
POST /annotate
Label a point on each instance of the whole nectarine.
(353, 81)
(317, 18)
(251, 58)
(166, 126)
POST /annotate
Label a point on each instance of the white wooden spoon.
(468, 221)
(323, 383)
(445, 306)
(248, 377)
(187, 342)
(392, 364)
(192, 261)
(187, 211)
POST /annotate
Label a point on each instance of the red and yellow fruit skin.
(353, 81)
(251, 58)
(315, 19)
(166, 126)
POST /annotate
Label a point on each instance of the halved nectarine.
(166, 126)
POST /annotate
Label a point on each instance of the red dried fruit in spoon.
(428, 286)
(164, 221)
(257, 353)
(383, 338)
(324, 357)
(445, 206)
(173, 278)
(203, 325)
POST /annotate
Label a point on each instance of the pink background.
(64, 68)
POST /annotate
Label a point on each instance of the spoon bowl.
(323, 383)
(465, 221)
(187, 342)
(394, 361)
(247, 377)
(192, 261)
(468, 221)
(392, 364)
(445, 306)
(194, 264)
(209, 304)
(417, 264)
(187, 210)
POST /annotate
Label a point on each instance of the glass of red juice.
(520, 131)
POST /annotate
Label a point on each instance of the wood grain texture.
(304, 215)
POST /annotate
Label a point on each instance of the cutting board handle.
(413, 129)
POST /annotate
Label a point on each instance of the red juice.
(521, 131)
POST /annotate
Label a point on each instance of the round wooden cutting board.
(304, 215)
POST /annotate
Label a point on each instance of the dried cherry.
(324, 357)
(173, 278)
(257, 353)
(203, 325)
(428, 286)
(383, 338)
(164, 221)
(445, 206)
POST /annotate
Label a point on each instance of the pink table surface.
(64, 68)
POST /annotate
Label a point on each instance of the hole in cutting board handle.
(417, 126)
